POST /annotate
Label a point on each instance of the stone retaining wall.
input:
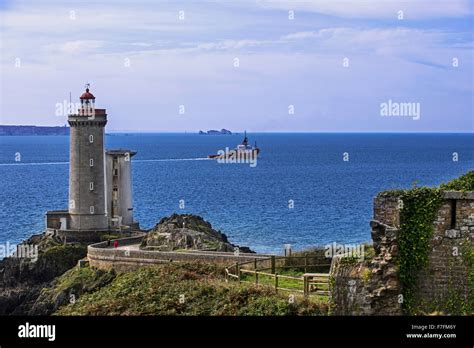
(100, 255)
(87, 237)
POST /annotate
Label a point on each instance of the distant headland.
(223, 131)
(33, 130)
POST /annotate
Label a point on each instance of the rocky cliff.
(21, 280)
(187, 232)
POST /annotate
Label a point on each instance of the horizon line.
(261, 131)
(283, 132)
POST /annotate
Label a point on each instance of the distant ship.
(242, 150)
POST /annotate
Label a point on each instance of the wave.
(173, 159)
(134, 161)
(33, 164)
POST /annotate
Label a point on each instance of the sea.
(306, 189)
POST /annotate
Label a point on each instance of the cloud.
(142, 44)
(230, 44)
(431, 48)
(282, 62)
(301, 35)
(413, 9)
(78, 46)
(361, 39)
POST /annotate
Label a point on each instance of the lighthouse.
(87, 182)
(100, 181)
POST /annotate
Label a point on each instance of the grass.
(186, 289)
(85, 278)
(286, 283)
(296, 284)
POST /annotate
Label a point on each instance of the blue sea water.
(332, 197)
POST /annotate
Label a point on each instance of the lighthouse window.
(91, 162)
(91, 186)
(91, 209)
(91, 138)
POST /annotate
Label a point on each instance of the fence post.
(305, 286)
(255, 265)
(256, 278)
(273, 264)
(276, 282)
(305, 262)
(238, 271)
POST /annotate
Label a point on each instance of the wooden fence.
(265, 272)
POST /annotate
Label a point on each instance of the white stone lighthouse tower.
(100, 182)
(87, 193)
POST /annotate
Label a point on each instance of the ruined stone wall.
(348, 288)
(372, 286)
(445, 281)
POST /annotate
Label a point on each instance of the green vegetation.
(295, 284)
(463, 183)
(57, 259)
(71, 285)
(369, 252)
(184, 289)
(83, 279)
(63, 256)
(469, 259)
(350, 260)
(62, 253)
(420, 206)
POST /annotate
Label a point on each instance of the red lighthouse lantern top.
(87, 95)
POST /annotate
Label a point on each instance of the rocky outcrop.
(187, 232)
(21, 279)
(69, 287)
(223, 131)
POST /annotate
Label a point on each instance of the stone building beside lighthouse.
(100, 181)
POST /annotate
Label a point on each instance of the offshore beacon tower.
(100, 181)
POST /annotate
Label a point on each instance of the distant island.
(223, 131)
(33, 130)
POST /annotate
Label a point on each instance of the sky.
(263, 66)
